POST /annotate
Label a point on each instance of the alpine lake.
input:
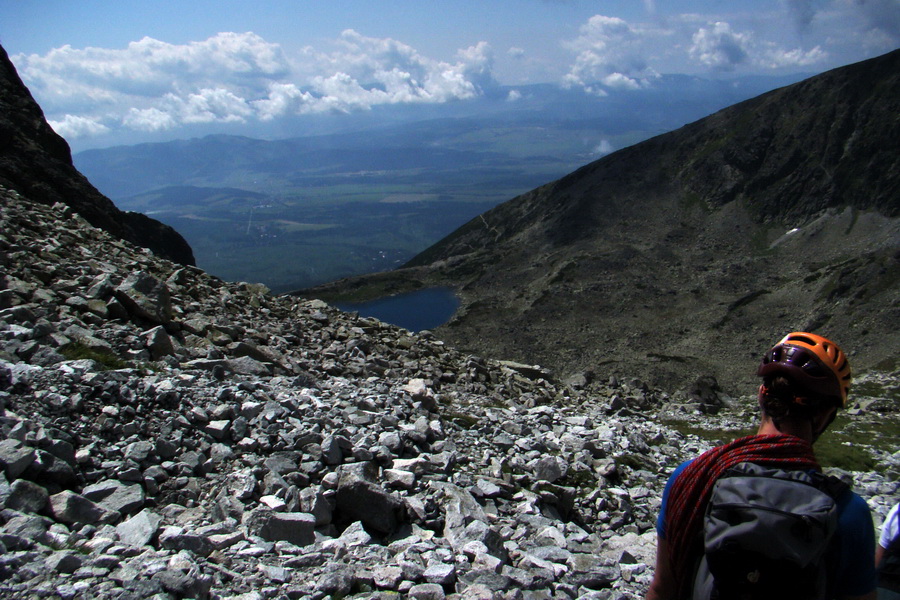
(415, 311)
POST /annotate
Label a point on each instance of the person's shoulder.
(852, 499)
(893, 512)
(675, 474)
(853, 508)
(680, 468)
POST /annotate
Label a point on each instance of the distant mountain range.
(688, 253)
(369, 191)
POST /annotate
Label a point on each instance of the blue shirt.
(856, 536)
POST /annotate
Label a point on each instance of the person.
(887, 556)
(805, 379)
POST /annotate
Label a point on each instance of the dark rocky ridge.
(37, 162)
(672, 257)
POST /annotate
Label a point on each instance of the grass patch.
(831, 451)
(717, 437)
(874, 389)
(666, 357)
(463, 420)
(845, 445)
(106, 358)
(847, 442)
(888, 364)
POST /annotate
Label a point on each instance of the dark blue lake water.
(415, 311)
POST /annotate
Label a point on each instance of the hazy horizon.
(108, 74)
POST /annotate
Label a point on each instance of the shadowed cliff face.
(37, 162)
(673, 258)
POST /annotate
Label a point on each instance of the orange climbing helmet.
(811, 361)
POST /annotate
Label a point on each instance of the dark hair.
(779, 400)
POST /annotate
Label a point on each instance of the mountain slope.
(37, 162)
(672, 258)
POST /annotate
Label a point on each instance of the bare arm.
(663, 585)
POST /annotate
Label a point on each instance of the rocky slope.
(686, 253)
(165, 435)
(34, 160)
(248, 446)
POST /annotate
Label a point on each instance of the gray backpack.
(767, 535)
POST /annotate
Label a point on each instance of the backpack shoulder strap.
(831, 485)
(836, 488)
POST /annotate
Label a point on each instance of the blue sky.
(162, 66)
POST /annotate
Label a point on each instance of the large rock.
(360, 498)
(296, 528)
(113, 495)
(27, 496)
(146, 297)
(140, 529)
(15, 457)
(74, 509)
(465, 519)
(176, 538)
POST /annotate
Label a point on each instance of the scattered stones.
(196, 438)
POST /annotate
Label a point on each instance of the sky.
(133, 67)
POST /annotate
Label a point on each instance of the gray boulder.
(15, 457)
(71, 508)
(140, 529)
(26, 496)
(113, 495)
(146, 297)
(296, 528)
(360, 498)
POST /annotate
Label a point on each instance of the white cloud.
(149, 119)
(209, 106)
(778, 58)
(611, 51)
(719, 47)
(621, 82)
(368, 71)
(282, 99)
(150, 68)
(73, 126)
(152, 85)
(849, 18)
(513, 95)
(236, 77)
(603, 148)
